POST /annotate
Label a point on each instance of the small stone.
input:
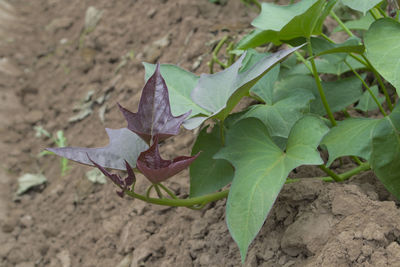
(64, 258)
(152, 12)
(92, 18)
(126, 262)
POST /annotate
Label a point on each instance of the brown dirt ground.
(47, 67)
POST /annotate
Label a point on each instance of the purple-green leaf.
(157, 169)
(124, 146)
(154, 116)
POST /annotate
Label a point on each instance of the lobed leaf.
(122, 183)
(220, 92)
(180, 84)
(339, 94)
(154, 116)
(382, 43)
(280, 117)
(157, 169)
(123, 145)
(261, 169)
(351, 137)
(208, 175)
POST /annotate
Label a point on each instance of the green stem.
(221, 132)
(169, 192)
(367, 87)
(319, 85)
(214, 57)
(159, 193)
(356, 160)
(198, 202)
(326, 37)
(188, 202)
(303, 60)
(340, 22)
(231, 58)
(148, 191)
(374, 15)
(360, 60)
(381, 84)
(383, 13)
(363, 167)
(328, 171)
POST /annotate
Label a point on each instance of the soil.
(56, 74)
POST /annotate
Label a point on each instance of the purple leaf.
(116, 179)
(154, 116)
(124, 145)
(157, 169)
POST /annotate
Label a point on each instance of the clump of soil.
(61, 72)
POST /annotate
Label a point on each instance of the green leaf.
(180, 84)
(351, 137)
(276, 23)
(361, 24)
(367, 103)
(296, 20)
(362, 6)
(220, 92)
(261, 169)
(322, 47)
(280, 117)
(385, 156)
(382, 42)
(257, 38)
(264, 87)
(339, 94)
(208, 175)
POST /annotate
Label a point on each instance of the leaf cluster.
(295, 115)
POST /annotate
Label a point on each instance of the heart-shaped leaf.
(261, 169)
(208, 175)
(123, 145)
(154, 116)
(157, 169)
(362, 6)
(382, 42)
(220, 92)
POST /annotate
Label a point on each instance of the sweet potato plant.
(304, 96)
